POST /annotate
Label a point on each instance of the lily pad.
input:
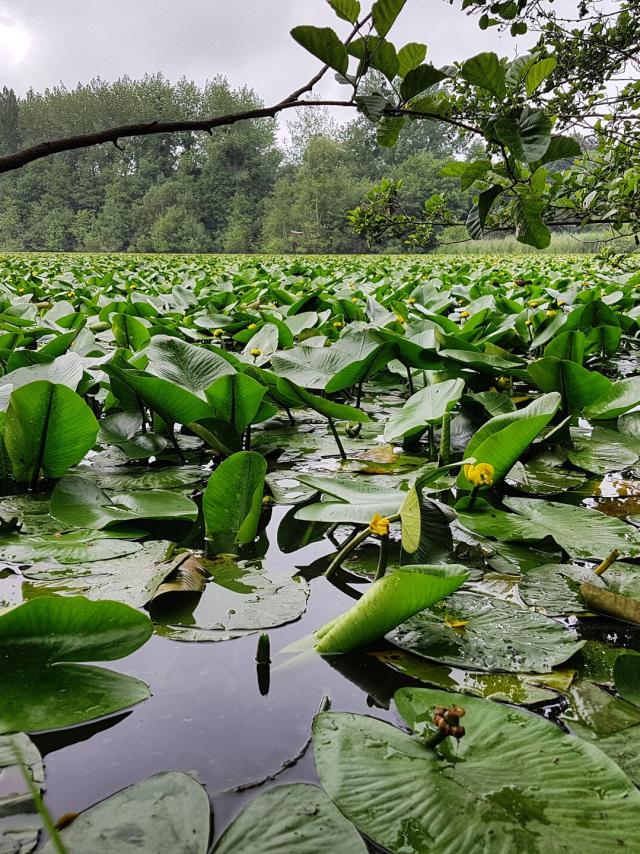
(78, 502)
(490, 635)
(516, 784)
(555, 588)
(299, 818)
(523, 688)
(237, 601)
(169, 811)
(537, 478)
(41, 642)
(74, 547)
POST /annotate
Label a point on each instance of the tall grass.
(561, 244)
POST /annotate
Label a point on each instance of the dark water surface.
(207, 716)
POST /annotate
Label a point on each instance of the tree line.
(239, 189)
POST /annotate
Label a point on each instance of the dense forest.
(251, 187)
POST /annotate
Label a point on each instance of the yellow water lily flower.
(503, 383)
(528, 322)
(400, 318)
(464, 314)
(480, 474)
(354, 299)
(132, 287)
(562, 302)
(337, 325)
(20, 290)
(217, 333)
(379, 525)
(551, 313)
(71, 294)
(252, 326)
(411, 300)
(256, 352)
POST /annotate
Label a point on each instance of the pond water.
(207, 715)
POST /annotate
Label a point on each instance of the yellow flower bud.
(400, 318)
(562, 302)
(379, 525)
(528, 322)
(132, 287)
(337, 325)
(71, 294)
(252, 326)
(411, 300)
(20, 290)
(256, 352)
(503, 382)
(354, 299)
(217, 333)
(464, 314)
(480, 474)
(551, 313)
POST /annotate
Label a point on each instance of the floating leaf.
(516, 784)
(299, 818)
(169, 810)
(496, 636)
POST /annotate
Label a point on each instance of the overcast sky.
(45, 42)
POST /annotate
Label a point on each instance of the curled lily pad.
(475, 632)
(169, 811)
(387, 603)
(515, 783)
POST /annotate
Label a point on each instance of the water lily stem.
(606, 563)
(432, 442)
(472, 497)
(410, 379)
(337, 438)
(383, 557)
(247, 438)
(359, 394)
(445, 440)
(346, 550)
(292, 420)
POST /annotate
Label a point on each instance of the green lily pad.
(555, 588)
(81, 546)
(538, 478)
(78, 502)
(169, 811)
(236, 604)
(523, 688)
(516, 782)
(626, 675)
(298, 818)
(41, 642)
(487, 634)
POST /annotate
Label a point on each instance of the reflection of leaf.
(518, 783)
(496, 636)
(166, 812)
(387, 603)
(541, 478)
(626, 674)
(299, 818)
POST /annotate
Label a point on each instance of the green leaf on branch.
(486, 71)
(324, 44)
(419, 79)
(384, 14)
(374, 52)
(538, 73)
(388, 130)
(527, 137)
(348, 10)
(530, 227)
(410, 56)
